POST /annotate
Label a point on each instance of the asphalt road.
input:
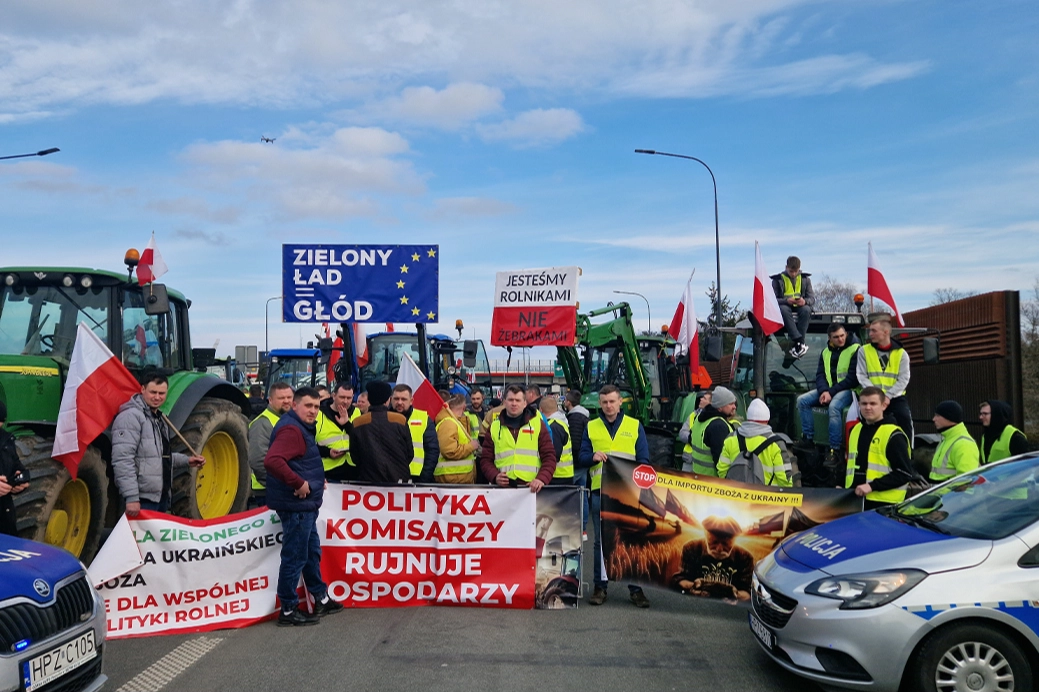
(680, 643)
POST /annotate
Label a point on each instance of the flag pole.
(182, 438)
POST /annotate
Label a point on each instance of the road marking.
(158, 675)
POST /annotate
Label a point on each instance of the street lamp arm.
(717, 237)
(42, 152)
(649, 315)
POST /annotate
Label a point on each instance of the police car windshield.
(990, 503)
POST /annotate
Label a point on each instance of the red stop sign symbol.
(644, 476)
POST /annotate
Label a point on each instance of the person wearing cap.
(381, 443)
(999, 440)
(704, 434)
(879, 466)
(957, 453)
(793, 289)
(714, 566)
(751, 436)
(11, 468)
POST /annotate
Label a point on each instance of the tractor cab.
(297, 367)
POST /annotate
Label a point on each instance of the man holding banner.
(518, 449)
(295, 488)
(611, 435)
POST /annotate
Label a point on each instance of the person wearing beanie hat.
(10, 468)
(957, 453)
(766, 462)
(705, 432)
(381, 443)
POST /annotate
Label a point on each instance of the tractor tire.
(661, 449)
(57, 509)
(218, 430)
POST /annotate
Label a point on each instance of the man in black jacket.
(879, 461)
(10, 468)
(834, 382)
(381, 443)
(793, 290)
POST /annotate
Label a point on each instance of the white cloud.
(335, 178)
(65, 53)
(533, 128)
(449, 108)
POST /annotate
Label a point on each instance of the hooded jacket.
(137, 439)
(1001, 415)
(381, 446)
(577, 423)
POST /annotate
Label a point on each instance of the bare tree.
(1030, 363)
(834, 296)
(949, 294)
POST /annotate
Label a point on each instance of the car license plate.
(761, 631)
(54, 664)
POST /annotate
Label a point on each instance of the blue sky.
(504, 132)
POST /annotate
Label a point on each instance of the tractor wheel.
(661, 449)
(57, 509)
(218, 430)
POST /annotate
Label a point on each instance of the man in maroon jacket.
(505, 433)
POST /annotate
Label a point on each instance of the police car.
(52, 621)
(940, 592)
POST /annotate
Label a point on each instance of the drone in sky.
(268, 140)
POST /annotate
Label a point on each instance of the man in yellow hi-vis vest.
(333, 433)
(423, 435)
(622, 437)
(884, 363)
(557, 427)
(279, 401)
(879, 462)
(793, 290)
(517, 450)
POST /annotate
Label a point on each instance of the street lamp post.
(42, 152)
(266, 322)
(649, 316)
(717, 239)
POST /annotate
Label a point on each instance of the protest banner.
(702, 535)
(557, 584)
(418, 545)
(360, 283)
(535, 307)
(196, 575)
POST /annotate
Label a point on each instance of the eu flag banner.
(360, 283)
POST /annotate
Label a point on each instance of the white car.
(52, 620)
(938, 593)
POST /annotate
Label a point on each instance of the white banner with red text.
(196, 575)
(411, 546)
(535, 307)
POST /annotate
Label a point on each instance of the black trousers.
(898, 407)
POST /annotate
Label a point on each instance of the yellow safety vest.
(565, 464)
(843, 362)
(876, 464)
(884, 378)
(446, 466)
(1000, 450)
(791, 289)
(956, 454)
(517, 457)
(772, 463)
(417, 423)
(474, 425)
(273, 418)
(622, 446)
(329, 435)
(703, 462)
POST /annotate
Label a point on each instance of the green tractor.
(146, 328)
(655, 386)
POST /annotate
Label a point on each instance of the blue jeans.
(836, 428)
(162, 506)
(300, 552)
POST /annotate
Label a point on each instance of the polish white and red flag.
(97, 385)
(151, 265)
(683, 329)
(765, 306)
(876, 285)
(361, 344)
(424, 395)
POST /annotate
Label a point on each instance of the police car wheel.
(970, 657)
